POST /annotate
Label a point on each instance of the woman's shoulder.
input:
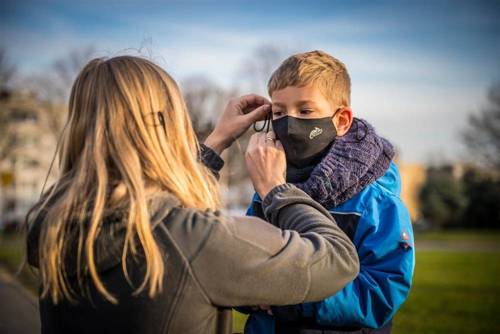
(188, 229)
(166, 209)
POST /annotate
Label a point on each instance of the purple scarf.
(353, 161)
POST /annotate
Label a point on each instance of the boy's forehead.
(297, 94)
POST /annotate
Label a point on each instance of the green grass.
(453, 292)
(492, 236)
(11, 257)
(11, 252)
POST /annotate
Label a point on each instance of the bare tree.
(258, 67)
(64, 71)
(205, 100)
(53, 86)
(482, 135)
(7, 70)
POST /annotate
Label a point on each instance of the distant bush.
(483, 194)
(471, 200)
(443, 199)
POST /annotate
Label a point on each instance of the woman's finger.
(261, 139)
(279, 146)
(258, 114)
(253, 141)
(252, 100)
(270, 138)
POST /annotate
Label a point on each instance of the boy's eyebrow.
(278, 104)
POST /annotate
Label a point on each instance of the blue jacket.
(379, 225)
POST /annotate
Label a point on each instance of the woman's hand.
(239, 114)
(266, 163)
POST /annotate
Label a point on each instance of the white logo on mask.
(315, 132)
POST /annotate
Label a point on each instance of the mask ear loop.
(333, 116)
(266, 125)
(363, 133)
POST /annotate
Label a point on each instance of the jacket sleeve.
(387, 261)
(301, 256)
(211, 160)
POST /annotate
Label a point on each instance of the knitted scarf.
(353, 161)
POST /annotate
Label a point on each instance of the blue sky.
(418, 68)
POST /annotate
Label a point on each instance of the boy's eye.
(306, 111)
(277, 113)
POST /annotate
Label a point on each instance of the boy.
(343, 164)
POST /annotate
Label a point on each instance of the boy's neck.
(298, 175)
(295, 174)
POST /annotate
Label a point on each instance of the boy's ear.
(343, 121)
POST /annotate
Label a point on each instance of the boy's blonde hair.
(316, 67)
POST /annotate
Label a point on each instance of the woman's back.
(212, 263)
(90, 312)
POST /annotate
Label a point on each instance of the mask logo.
(315, 132)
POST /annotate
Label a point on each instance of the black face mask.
(305, 140)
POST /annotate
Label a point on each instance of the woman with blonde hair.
(130, 239)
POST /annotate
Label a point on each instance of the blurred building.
(27, 146)
(413, 177)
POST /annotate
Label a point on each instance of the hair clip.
(161, 118)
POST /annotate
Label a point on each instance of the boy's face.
(309, 102)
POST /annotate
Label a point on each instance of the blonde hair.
(314, 67)
(128, 133)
